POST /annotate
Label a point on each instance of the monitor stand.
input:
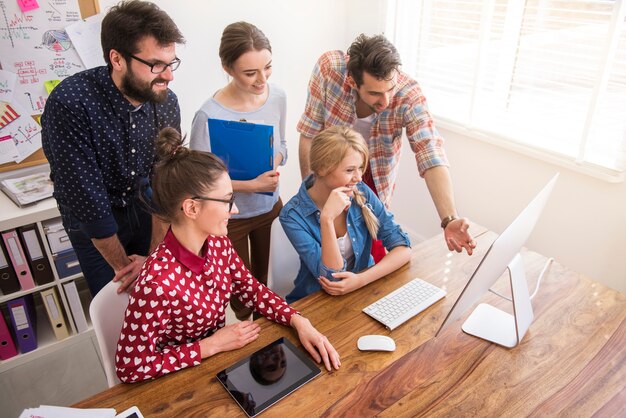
(492, 324)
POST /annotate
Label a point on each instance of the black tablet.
(268, 375)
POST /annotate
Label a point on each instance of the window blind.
(548, 75)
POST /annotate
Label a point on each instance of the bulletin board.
(87, 8)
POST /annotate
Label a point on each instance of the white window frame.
(407, 42)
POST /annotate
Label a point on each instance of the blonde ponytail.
(371, 221)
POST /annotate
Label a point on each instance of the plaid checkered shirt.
(331, 101)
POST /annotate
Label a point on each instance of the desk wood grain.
(572, 361)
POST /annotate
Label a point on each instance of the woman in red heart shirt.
(177, 311)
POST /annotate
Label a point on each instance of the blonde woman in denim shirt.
(333, 218)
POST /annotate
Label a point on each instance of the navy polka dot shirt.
(100, 147)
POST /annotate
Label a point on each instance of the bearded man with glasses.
(99, 128)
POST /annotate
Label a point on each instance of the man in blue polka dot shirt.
(99, 128)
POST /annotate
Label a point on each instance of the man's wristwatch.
(445, 221)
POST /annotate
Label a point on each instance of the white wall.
(583, 226)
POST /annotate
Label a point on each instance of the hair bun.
(169, 143)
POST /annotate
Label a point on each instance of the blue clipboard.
(247, 149)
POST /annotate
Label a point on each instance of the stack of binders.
(23, 261)
(23, 323)
(24, 264)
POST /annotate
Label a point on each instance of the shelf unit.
(46, 375)
(14, 217)
(57, 372)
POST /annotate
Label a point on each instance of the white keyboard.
(404, 303)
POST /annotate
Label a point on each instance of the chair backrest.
(107, 316)
(284, 261)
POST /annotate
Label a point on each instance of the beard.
(374, 108)
(141, 91)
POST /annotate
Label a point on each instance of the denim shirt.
(300, 219)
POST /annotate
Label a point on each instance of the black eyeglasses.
(158, 67)
(230, 201)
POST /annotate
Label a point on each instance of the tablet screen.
(268, 375)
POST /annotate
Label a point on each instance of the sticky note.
(50, 84)
(28, 5)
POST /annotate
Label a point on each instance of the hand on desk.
(457, 236)
(231, 337)
(127, 275)
(316, 343)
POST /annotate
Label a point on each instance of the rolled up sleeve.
(424, 139)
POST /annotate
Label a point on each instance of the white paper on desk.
(46, 411)
(36, 47)
(26, 133)
(85, 36)
(7, 85)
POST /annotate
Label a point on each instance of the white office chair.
(284, 261)
(107, 316)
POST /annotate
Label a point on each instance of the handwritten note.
(7, 85)
(28, 5)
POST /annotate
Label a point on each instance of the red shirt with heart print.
(181, 298)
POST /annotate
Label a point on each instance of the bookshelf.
(58, 372)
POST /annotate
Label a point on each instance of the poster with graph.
(35, 47)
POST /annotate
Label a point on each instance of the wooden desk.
(572, 361)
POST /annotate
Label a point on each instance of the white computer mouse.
(376, 343)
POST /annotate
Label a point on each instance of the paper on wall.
(7, 85)
(8, 150)
(25, 133)
(85, 36)
(7, 114)
(36, 48)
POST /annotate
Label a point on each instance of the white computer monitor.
(486, 321)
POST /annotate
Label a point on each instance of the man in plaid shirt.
(365, 89)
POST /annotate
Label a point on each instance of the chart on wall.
(36, 49)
